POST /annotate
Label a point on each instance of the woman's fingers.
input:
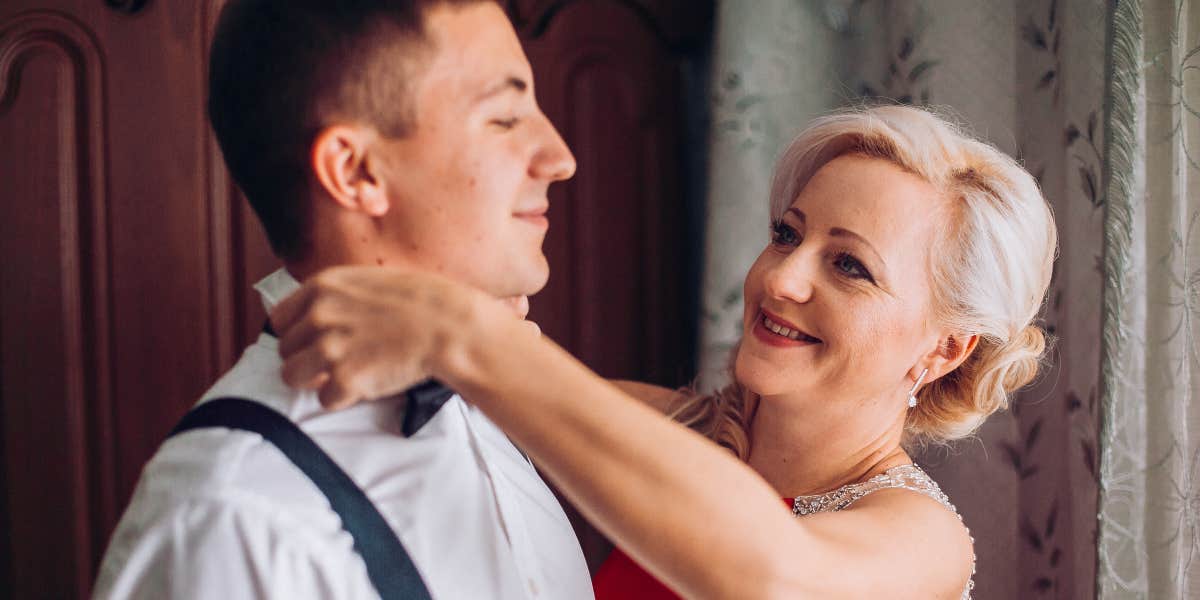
(355, 380)
(307, 369)
(291, 309)
(337, 393)
(325, 366)
(355, 333)
(302, 334)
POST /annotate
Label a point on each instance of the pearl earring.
(912, 394)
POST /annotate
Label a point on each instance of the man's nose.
(792, 278)
(553, 160)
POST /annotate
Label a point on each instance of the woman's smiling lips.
(774, 331)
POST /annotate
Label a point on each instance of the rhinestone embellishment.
(909, 477)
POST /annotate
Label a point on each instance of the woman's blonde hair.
(989, 277)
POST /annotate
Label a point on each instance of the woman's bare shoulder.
(918, 528)
(660, 398)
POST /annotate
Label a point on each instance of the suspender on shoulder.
(388, 565)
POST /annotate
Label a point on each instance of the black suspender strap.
(391, 570)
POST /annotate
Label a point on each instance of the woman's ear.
(953, 349)
(345, 164)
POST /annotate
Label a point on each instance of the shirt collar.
(428, 398)
(275, 287)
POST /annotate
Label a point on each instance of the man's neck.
(344, 238)
(298, 273)
(314, 263)
(318, 261)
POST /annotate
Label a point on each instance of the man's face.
(467, 188)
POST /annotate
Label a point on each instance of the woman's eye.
(783, 235)
(851, 267)
(506, 123)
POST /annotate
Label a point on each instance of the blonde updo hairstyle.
(989, 270)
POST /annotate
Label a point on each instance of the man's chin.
(536, 278)
(514, 288)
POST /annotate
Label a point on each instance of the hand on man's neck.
(302, 270)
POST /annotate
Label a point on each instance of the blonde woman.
(893, 305)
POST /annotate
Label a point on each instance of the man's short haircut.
(280, 71)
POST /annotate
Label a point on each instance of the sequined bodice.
(909, 477)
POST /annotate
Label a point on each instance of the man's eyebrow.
(510, 83)
(841, 232)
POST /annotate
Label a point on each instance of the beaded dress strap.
(908, 477)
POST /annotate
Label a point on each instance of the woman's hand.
(357, 333)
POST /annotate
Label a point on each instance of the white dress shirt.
(221, 514)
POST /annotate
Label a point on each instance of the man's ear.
(952, 350)
(345, 165)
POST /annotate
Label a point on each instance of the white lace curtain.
(1150, 473)
(1028, 75)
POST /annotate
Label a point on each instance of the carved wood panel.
(164, 305)
(55, 367)
(111, 313)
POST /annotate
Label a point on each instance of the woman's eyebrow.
(842, 232)
(799, 214)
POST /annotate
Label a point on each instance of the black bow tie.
(424, 400)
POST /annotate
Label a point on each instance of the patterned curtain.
(1028, 75)
(1150, 471)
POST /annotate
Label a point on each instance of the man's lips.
(534, 216)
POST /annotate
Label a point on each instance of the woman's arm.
(657, 397)
(694, 515)
(650, 484)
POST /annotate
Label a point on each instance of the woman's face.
(847, 274)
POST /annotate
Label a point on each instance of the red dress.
(619, 578)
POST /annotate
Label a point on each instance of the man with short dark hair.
(400, 132)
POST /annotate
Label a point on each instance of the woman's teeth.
(790, 334)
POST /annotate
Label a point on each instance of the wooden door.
(128, 255)
(113, 298)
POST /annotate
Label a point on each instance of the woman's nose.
(791, 278)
